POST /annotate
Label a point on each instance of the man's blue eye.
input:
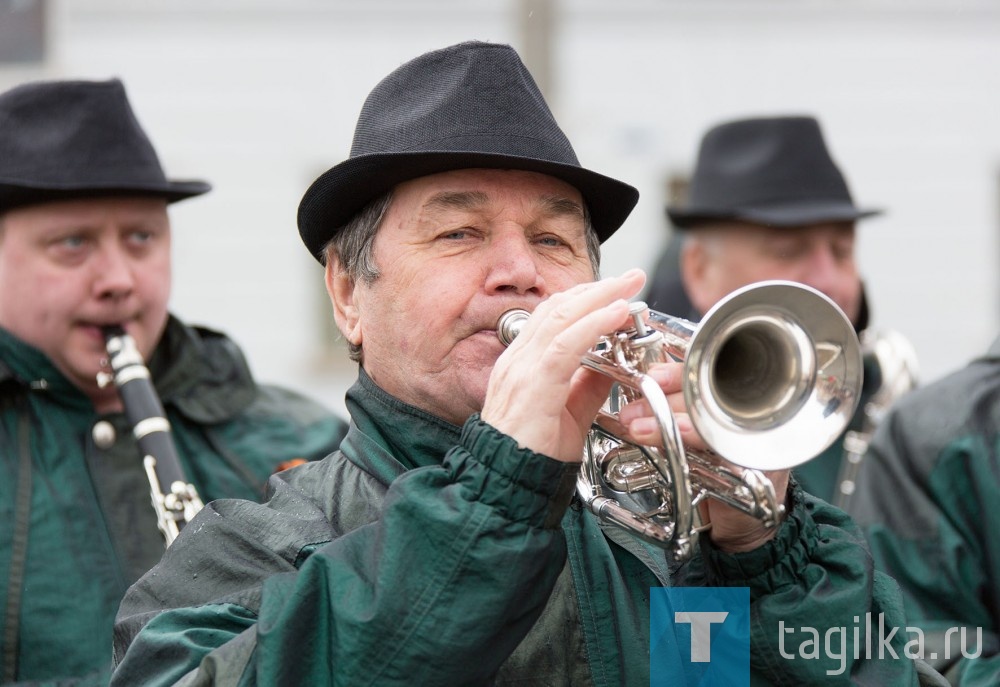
(72, 241)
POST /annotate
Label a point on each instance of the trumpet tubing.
(772, 378)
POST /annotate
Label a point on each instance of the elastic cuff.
(527, 484)
(774, 563)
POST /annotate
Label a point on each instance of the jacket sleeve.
(815, 600)
(438, 590)
(927, 502)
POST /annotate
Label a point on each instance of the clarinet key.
(104, 435)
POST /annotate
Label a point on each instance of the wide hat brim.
(785, 214)
(65, 140)
(775, 171)
(472, 105)
(13, 195)
(341, 192)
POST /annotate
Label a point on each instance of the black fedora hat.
(774, 171)
(471, 105)
(61, 140)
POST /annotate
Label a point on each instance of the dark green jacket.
(76, 524)
(929, 499)
(428, 554)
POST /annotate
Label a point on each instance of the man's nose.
(832, 276)
(514, 265)
(823, 270)
(114, 272)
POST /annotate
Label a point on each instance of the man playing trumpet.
(442, 544)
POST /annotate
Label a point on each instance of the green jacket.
(929, 489)
(427, 554)
(77, 527)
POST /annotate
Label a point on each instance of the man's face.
(724, 258)
(69, 267)
(455, 251)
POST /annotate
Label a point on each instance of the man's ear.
(694, 264)
(340, 287)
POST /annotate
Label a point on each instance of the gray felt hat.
(77, 139)
(471, 105)
(774, 171)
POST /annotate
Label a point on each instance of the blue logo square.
(701, 634)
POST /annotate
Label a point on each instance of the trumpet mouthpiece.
(509, 325)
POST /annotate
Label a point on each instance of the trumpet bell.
(773, 375)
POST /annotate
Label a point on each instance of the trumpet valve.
(627, 470)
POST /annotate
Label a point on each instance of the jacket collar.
(23, 366)
(199, 372)
(405, 433)
(202, 373)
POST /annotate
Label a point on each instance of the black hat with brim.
(65, 140)
(781, 214)
(472, 105)
(774, 171)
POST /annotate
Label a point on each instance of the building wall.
(260, 97)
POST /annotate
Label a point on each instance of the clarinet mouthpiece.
(110, 331)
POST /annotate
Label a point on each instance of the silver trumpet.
(772, 377)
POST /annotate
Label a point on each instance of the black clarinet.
(175, 507)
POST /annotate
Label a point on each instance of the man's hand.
(538, 392)
(732, 530)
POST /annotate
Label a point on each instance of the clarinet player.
(85, 244)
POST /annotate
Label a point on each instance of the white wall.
(259, 97)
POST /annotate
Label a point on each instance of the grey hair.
(353, 246)
(354, 243)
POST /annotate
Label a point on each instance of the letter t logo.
(701, 631)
